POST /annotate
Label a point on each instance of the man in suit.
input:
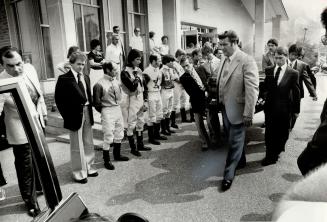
(26, 175)
(268, 58)
(74, 102)
(238, 88)
(194, 87)
(315, 154)
(301, 67)
(282, 102)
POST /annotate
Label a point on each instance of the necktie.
(277, 74)
(80, 85)
(226, 67)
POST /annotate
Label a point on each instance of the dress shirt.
(136, 43)
(164, 49)
(113, 53)
(223, 73)
(282, 72)
(153, 47)
(84, 84)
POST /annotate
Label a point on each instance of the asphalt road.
(177, 181)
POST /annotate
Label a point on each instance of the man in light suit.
(238, 88)
(282, 102)
(74, 102)
(26, 175)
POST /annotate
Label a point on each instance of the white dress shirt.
(113, 53)
(282, 72)
(136, 43)
(83, 81)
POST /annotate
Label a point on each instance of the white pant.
(82, 148)
(132, 113)
(112, 126)
(181, 98)
(167, 98)
(155, 107)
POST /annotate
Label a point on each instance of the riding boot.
(106, 158)
(173, 120)
(116, 153)
(151, 135)
(139, 142)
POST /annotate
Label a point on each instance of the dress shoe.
(33, 211)
(82, 181)
(226, 184)
(267, 161)
(93, 174)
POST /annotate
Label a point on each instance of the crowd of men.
(214, 80)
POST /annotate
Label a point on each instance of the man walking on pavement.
(238, 88)
(282, 102)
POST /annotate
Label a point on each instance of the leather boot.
(152, 139)
(183, 116)
(134, 150)
(117, 155)
(139, 141)
(106, 158)
(167, 121)
(157, 135)
(163, 128)
(173, 120)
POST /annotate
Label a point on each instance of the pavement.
(177, 181)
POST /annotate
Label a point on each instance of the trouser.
(112, 126)
(201, 128)
(132, 113)
(155, 108)
(181, 98)
(236, 140)
(82, 148)
(213, 124)
(167, 98)
(25, 173)
(276, 135)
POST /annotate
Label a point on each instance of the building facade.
(44, 29)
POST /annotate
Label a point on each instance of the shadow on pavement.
(188, 172)
(256, 217)
(292, 177)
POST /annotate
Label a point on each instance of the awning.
(273, 8)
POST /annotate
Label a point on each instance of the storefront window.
(87, 21)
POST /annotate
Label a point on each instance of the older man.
(238, 88)
(114, 53)
(26, 175)
(136, 42)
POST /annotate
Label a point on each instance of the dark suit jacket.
(197, 95)
(70, 100)
(302, 67)
(284, 99)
